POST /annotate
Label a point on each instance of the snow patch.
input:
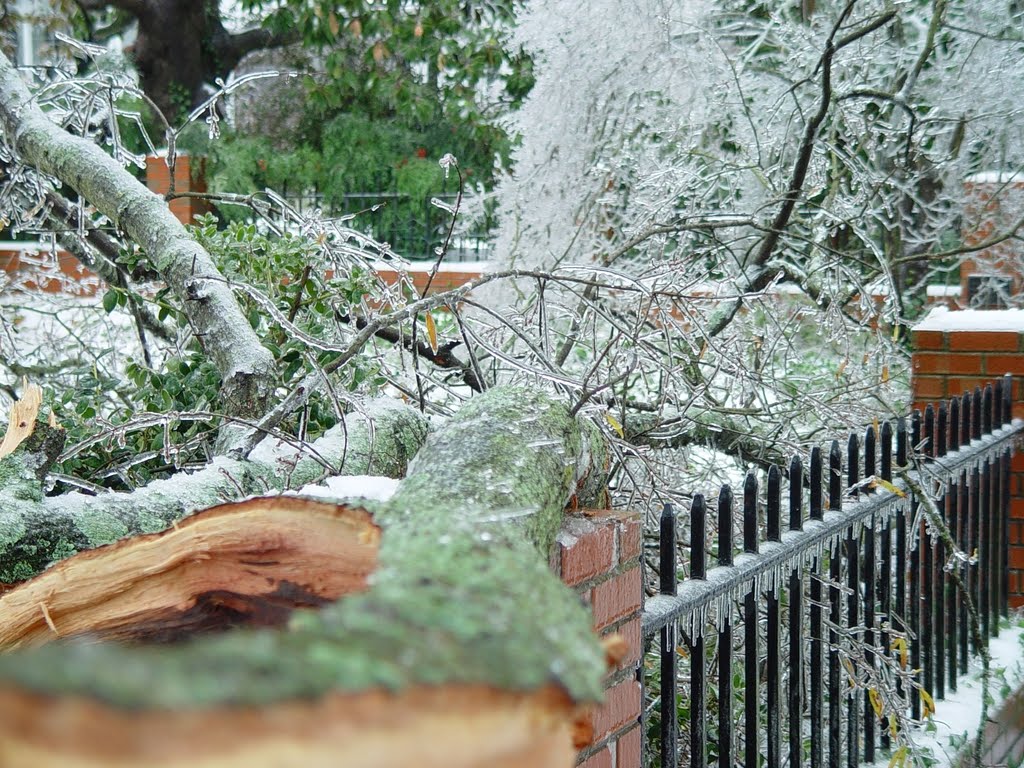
(996, 177)
(353, 486)
(960, 712)
(944, 319)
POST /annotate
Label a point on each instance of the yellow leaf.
(849, 671)
(876, 701)
(899, 757)
(892, 726)
(615, 424)
(431, 333)
(441, 61)
(900, 644)
(929, 703)
(885, 373)
(886, 485)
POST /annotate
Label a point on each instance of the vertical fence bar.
(1005, 561)
(796, 620)
(868, 579)
(914, 595)
(668, 578)
(964, 538)
(901, 541)
(927, 545)
(938, 561)
(991, 521)
(1002, 510)
(968, 509)
(853, 602)
(953, 608)
(885, 585)
(725, 740)
(835, 504)
(984, 405)
(698, 699)
(772, 639)
(751, 703)
(815, 670)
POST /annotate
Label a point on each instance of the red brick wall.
(993, 206)
(36, 269)
(599, 556)
(444, 280)
(188, 177)
(956, 351)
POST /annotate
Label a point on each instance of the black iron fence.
(822, 638)
(414, 225)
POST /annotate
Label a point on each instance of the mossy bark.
(462, 595)
(37, 531)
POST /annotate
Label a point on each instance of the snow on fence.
(830, 618)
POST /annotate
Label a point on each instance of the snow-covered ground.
(957, 718)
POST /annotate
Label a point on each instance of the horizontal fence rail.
(848, 608)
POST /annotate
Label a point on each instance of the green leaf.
(110, 300)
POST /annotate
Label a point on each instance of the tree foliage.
(772, 201)
(725, 258)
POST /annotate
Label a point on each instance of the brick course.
(188, 177)
(598, 554)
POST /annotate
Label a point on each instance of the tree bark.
(484, 652)
(37, 531)
(182, 46)
(245, 366)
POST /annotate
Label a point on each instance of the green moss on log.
(462, 593)
(36, 532)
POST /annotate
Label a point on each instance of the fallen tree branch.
(38, 531)
(246, 367)
(455, 630)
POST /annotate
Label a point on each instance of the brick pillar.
(956, 351)
(995, 202)
(599, 557)
(188, 177)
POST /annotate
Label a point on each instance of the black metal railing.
(413, 225)
(816, 630)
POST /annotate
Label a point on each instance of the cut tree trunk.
(455, 726)
(463, 649)
(249, 563)
(379, 438)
